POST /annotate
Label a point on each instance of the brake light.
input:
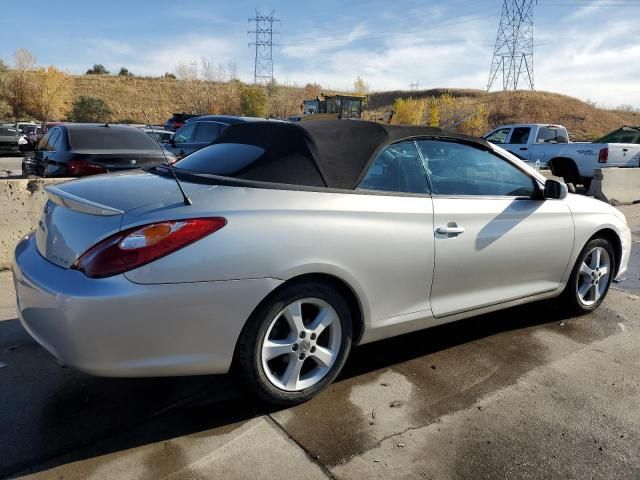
(603, 156)
(140, 245)
(83, 167)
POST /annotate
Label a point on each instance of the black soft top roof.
(329, 153)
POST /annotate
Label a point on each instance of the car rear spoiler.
(73, 202)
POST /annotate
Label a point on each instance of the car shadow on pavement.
(51, 415)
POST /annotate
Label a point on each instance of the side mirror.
(555, 190)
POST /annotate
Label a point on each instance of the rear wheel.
(295, 344)
(590, 278)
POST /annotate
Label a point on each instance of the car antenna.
(187, 200)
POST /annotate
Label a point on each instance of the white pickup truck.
(550, 145)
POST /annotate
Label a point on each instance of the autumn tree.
(50, 93)
(5, 109)
(360, 86)
(253, 101)
(284, 101)
(312, 90)
(18, 85)
(208, 87)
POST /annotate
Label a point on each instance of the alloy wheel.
(593, 276)
(301, 344)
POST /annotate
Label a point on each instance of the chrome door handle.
(450, 230)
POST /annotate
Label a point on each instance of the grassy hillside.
(128, 96)
(159, 97)
(584, 121)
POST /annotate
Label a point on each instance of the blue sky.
(587, 48)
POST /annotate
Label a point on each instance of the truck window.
(520, 135)
(499, 136)
(552, 135)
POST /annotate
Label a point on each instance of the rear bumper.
(113, 327)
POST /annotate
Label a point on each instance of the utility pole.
(263, 64)
(513, 50)
(414, 85)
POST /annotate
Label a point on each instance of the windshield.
(224, 159)
(8, 132)
(103, 138)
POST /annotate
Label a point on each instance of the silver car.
(294, 242)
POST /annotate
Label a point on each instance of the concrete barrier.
(617, 186)
(21, 203)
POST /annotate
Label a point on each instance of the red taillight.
(143, 244)
(83, 167)
(603, 156)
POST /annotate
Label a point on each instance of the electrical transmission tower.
(513, 50)
(263, 67)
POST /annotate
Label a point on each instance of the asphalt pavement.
(11, 167)
(522, 393)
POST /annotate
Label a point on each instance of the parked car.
(32, 134)
(200, 132)
(9, 140)
(297, 241)
(177, 120)
(626, 134)
(549, 145)
(72, 150)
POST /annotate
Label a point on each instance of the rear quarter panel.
(380, 245)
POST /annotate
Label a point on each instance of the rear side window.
(520, 135)
(552, 135)
(398, 168)
(224, 159)
(105, 138)
(185, 133)
(207, 132)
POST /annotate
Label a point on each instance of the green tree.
(253, 101)
(169, 75)
(90, 110)
(124, 72)
(98, 69)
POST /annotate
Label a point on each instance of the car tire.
(283, 364)
(588, 285)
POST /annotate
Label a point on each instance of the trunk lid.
(83, 212)
(116, 160)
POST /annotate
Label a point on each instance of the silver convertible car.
(294, 242)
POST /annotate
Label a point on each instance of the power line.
(513, 50)
(263, 63)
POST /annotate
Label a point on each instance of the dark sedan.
(202, 131)
(73, 150)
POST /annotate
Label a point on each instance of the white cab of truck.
(550, 145)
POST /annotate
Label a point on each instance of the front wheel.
(590, 278)
(295, 344)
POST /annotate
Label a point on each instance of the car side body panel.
(380, 245)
